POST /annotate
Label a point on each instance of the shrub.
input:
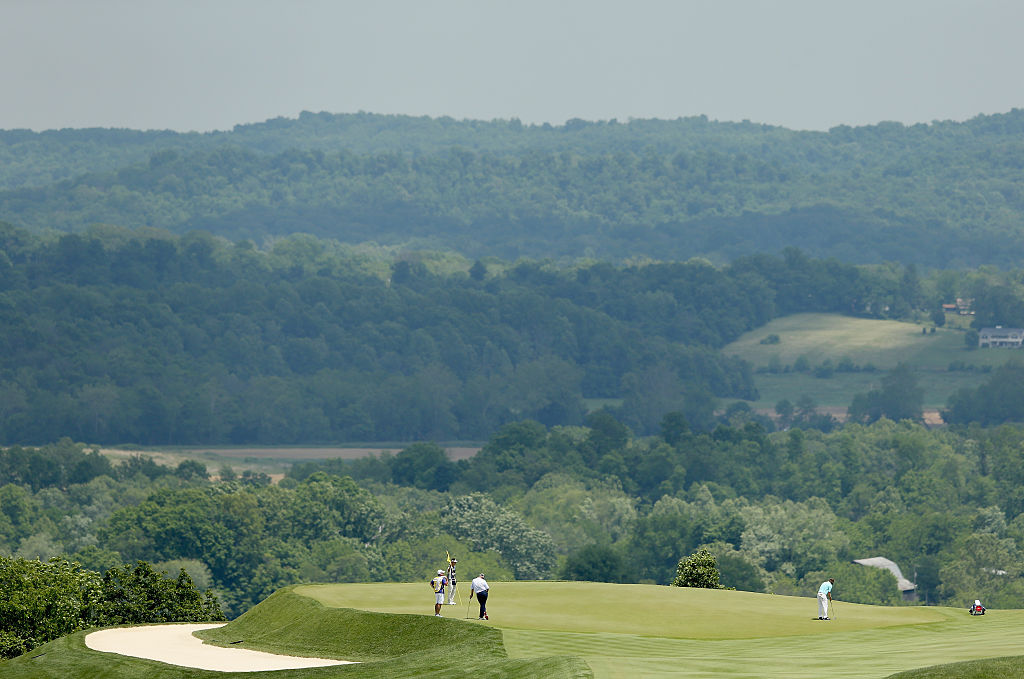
(43, 601)
(698, 570)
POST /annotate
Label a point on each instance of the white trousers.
(822, 605)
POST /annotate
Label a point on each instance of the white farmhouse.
(1001, 337)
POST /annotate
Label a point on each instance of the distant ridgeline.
(945, 194)
(115, 336)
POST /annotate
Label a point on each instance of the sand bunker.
(174, 644)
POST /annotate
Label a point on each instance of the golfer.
(480, 587)
(437, 584)
(451, 581)
(825, 598)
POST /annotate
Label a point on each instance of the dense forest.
(115, 336)
(941, 195)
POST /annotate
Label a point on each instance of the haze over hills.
(942, 195)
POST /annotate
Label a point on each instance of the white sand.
(174, 644)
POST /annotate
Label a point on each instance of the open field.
(299, 453)
(271, 460)
(883, 344)
(570, 629)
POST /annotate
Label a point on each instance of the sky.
(803, 64)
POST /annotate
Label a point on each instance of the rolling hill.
(942, 195)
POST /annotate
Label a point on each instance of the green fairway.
(573, 629)
(601, 608)
(654, 631)
(882, 344)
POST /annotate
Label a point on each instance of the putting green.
(651, 631)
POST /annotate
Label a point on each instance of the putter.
(833, 607)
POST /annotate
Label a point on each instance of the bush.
(43, 601)
(138, 594)
(40, 602)
(698, 570)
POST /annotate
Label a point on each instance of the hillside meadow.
(579, 629)
(864, 342)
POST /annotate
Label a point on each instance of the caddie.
(438, 584)
(451, 581)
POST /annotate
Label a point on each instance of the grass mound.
(992, 668)
(289, 623)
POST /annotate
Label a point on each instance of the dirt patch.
(174, 456)
(454, 453)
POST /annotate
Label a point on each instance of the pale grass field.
(863, 340)
(880, 343)
(656, 631)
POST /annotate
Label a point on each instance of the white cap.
(440, 572)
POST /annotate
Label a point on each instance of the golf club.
(833, 611)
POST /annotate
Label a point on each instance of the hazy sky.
(803, 64)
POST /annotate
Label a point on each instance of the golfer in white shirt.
(480, 588)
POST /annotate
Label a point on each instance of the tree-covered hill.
(946, 194)
(126, 336)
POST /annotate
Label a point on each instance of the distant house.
(962, 306)
(906, 587)
(1001, 337)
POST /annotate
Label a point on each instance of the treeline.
(779, 511)
(944, 195)
(40, 158)
(41, 601)
(114, 336)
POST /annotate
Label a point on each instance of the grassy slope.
(618, 630)
(864, 341)
(996, 668)
(281, 625)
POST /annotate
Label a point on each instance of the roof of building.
(902, 583)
